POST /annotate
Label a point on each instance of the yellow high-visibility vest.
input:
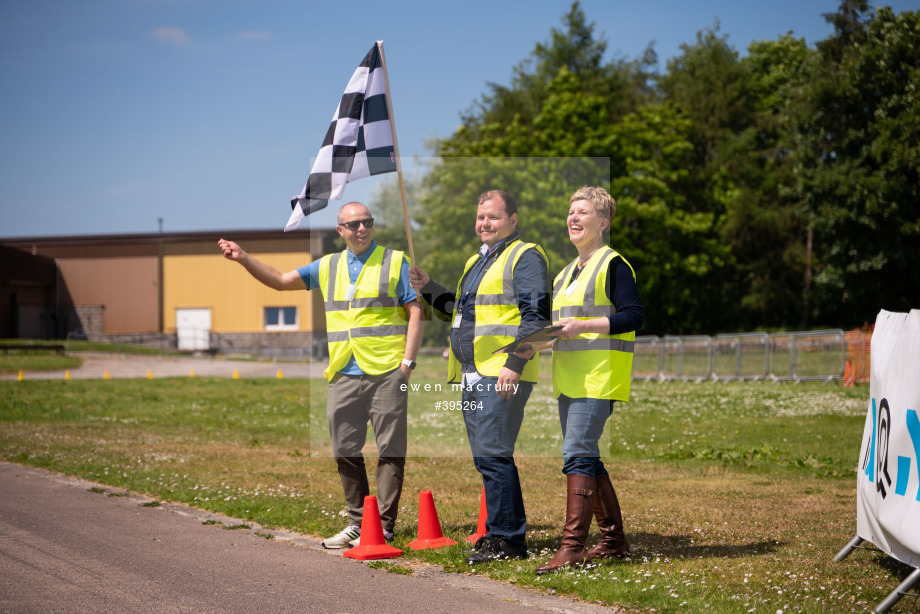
(371, 324)
(591, 365)
(497, 315)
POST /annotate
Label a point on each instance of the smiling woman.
(587, 223)
(592, 368)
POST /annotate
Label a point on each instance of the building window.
(281, 318)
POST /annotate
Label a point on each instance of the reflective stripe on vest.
(497, 315)
(372, 325)
(592, 365)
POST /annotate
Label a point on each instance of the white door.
(193, 328)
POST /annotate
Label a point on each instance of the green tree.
(706, 83)
(773, 190)
(767, 236)
(539, 139)
(507, 111)
(670, 243)
(859, 163)
(738, 108)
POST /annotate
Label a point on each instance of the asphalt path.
(72, 546)
(99, 365)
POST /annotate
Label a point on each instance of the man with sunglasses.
(503, 295)
(374, 329)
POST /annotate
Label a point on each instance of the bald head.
(352, 210)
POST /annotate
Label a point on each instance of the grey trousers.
(353, 401)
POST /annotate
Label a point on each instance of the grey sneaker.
(342, 540)
(386, 536)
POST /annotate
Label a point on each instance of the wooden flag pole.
(402, 187)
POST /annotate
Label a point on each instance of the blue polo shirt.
(310, 276)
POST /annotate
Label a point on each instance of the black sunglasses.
(368, 223)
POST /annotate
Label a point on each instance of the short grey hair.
(603, 202)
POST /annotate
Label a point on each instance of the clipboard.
(537, 337)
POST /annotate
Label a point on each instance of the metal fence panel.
(820, 355)
(686, 358)
(647, 358)
(741, 356)
(812, 355)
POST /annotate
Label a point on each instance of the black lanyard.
(466, 295)
(575, 273)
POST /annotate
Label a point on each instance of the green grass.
(736, 496)
(36, 360)
(72, 345)
(13, 361)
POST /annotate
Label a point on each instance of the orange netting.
(858, 355)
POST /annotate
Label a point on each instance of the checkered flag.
(358, 144)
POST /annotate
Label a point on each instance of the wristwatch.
(409, 363)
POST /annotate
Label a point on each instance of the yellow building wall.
(196, 275)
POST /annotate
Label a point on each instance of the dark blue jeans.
(582, 423)
(493, 429)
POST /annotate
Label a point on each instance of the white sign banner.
(888, 476)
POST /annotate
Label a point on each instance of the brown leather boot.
(609, 521)
(579, 508)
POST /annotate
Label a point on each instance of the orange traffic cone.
(372, 544)
(429, 527)
(481, 527)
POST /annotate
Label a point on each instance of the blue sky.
(205, 113)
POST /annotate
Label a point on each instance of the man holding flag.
(373, 320)
(374, 329)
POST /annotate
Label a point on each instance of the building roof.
(155, 237)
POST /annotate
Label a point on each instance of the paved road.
(96, 365)
(67, 549)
